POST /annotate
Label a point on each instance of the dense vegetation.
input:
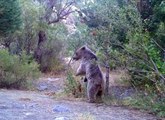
(9, 16)
(17, 71)
(129, 35)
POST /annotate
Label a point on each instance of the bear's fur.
(90, 69)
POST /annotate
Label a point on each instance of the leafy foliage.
(50, 50)
(148, 102)
(145, 63)
(17, 71)
(27, 37)
(10, 16)
(78, 38)
(73, 86)
(124, 34)
(132, 39)
(125, 42)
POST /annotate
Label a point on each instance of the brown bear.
(93, 75)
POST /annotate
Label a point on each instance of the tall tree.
(10, 16)
(55, 11)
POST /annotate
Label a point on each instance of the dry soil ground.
(40, 105)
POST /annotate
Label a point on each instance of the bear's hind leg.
(99, 95)
(92, 90)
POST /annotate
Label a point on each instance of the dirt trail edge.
(28, 105)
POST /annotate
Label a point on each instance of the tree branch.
(157, 71)
(158, 45)
(63, 13)
(59, 18)
(67, 5)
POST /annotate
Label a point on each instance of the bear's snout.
(75, 58)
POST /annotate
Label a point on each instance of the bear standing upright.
(89, 67)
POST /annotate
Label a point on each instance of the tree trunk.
(39, 49)
(107, 80)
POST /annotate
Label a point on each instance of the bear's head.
(84, 52)
(79, 53)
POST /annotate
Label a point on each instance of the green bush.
(149, 102)
(50, 59)
(49, 52)
(73, 86)
(144, 61)
(10, 16)
(17, 71)
(117, 59)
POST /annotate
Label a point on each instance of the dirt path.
(27, 105)
(30, 105)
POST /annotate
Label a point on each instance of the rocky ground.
(41, 105)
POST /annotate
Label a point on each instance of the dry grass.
(119, 78)
(61, 95)
(86, 116)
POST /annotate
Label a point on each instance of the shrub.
(17, 71)
(145, 64)
(150, 102)
(50, 62)
(48, 52)
(117, 59)
(73, 86)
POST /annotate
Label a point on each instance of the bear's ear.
(83, 48)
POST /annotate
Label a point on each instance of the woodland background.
(37, 35)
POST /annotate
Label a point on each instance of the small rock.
(61, 108)
(42, 87)
(50, 80)
(4, 107)
(50, 93)
(33, 105)
(28, 113)
(61, 118)
(30, 116)
(17, 106)
(24, 99)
